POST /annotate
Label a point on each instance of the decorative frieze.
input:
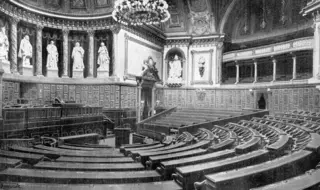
(55, 22)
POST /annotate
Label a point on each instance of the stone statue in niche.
(201, 65)
(77, 56)
(25, 51)
(53, 55)
(103, 58)
(175, 71)
(4, 44)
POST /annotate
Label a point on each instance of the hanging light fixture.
(264, 22)
(139, 12)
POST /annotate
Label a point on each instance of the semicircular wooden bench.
(72, 166)
(76, 153)
(187, 175)
(77, 177)
(166, 168)
(94, 160)
(260, 174)
(161, 185)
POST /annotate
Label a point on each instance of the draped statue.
(77, 56)
(175, 71)
(103, 58)
(4, 44)
(25, 51)
(53, 56)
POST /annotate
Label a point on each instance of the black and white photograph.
(160, 94)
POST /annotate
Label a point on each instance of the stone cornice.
(60, 15)
(189, 40)
(17, 14)
(149, 35)
(311, 7)
(59, 23)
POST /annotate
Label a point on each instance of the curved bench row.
(260, 174)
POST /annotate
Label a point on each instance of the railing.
(19, 118)
(269, 50)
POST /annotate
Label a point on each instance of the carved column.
(139, 90)
(238, 73)
(91, 53)
(115, 31)
(294, 68)
(1, 83)
(274, 61)
(153, 99)
(14, 45)
(316, 51)
(219, 62)
(39, 51)
(255, 63)
(65, 33)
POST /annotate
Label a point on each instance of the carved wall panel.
(109, 96)
(279, 100)
(78, 4)
(10, 92)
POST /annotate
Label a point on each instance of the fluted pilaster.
(39, 51)
(115, 31)
(65, 33)
(91, 53)
(14, 45)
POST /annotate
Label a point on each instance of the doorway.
(262, 101)
(146, 98)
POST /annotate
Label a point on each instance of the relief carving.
(201, 17)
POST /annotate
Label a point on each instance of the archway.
(262, 103)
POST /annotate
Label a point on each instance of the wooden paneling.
(109, 96)
(279, 100)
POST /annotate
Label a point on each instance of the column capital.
(39, 27)
(91, 32)
(293, 54)
(255, 60)
(65, 31)
(115, 29)
(274, 60)
(220, 45)
(14, 20)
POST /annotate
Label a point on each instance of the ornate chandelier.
(139, 12)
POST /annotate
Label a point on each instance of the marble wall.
(279, 100)
(108, 96)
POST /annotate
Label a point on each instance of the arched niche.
(170, 56)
